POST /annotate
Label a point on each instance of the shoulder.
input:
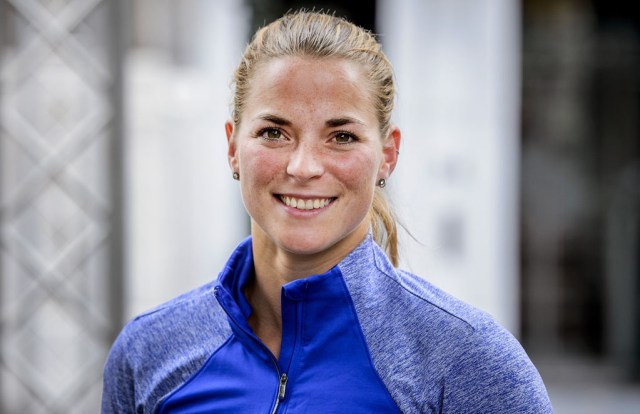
(185, 319)
(436, 352)
(160, 348)
(492, 372)
(400, 312)
(399, 295)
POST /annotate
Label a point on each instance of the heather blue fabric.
(363, 337)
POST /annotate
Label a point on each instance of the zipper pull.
(283, 386)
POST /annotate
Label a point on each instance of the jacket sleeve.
(118, 381)
(493, 374)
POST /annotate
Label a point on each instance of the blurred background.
(519, 175)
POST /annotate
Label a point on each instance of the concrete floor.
(614, 399)
(582, 386)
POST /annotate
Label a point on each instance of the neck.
(275, 267)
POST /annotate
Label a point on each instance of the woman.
(310, 315)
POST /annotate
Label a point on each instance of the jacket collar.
(239, 270)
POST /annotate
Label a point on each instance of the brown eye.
(344, 138)
(271, 134)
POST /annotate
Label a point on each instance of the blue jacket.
(362, 338)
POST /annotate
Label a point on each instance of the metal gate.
(60, 201)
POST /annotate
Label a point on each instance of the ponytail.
(383, 226)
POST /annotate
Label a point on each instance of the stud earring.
(236, 176)
(382, 182)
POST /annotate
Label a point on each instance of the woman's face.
(309, 153)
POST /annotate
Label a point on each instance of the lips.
(306, 203)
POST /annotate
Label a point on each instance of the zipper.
(282, 385)
(282, 389)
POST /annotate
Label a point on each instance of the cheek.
(357, 170)
(258, 165)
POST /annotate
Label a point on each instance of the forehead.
(316, 84)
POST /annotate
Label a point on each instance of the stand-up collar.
(239, 271)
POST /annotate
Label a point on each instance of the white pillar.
(457, 65)
(185, 214)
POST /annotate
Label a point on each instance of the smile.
(305, 204)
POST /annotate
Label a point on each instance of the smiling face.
(309, 153)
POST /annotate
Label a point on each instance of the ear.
(390, 152)
(232, 150)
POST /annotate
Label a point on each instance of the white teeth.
(301, 204)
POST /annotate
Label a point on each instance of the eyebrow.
(275, 119)
(337, 122)
(332, 123)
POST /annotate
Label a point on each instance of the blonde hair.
(321, 35)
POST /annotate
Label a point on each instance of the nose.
(305, 162)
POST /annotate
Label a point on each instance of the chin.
(310, 243)
(306, 247)
(311, 240)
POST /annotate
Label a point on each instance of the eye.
(344, 137)
(270, 134)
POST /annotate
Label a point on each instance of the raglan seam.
(415, 294)
(191, 377)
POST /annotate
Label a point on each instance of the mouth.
(305, 203)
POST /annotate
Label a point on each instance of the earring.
(382, 182)
(236, 176)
